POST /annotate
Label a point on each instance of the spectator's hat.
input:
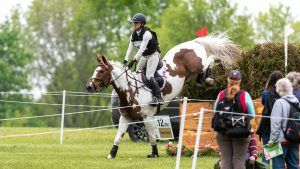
(234, 75)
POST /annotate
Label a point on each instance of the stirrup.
(156, 102)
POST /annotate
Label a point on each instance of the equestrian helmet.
(139, 17)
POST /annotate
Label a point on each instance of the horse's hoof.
(152, 156)
(109, 156)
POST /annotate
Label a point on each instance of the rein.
(127, 75)
(112, 81)
(135, 80)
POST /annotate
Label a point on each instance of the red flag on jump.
(201, 32)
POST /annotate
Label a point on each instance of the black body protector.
(152, 44)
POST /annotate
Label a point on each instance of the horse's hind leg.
(123, 125)
(150, 129)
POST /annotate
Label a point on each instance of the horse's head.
(101, 77)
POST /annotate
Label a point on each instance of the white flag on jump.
(288, 30)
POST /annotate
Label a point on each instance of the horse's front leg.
(150, 129)
(123, 125)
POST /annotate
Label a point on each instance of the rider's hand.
(124, 63)
(131, 63)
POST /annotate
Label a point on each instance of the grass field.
(82, 149)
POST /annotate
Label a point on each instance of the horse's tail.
(222, 48)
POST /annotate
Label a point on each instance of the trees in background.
(14, 61)
(270, 25)
(61, 38)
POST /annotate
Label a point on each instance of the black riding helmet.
(139, 17)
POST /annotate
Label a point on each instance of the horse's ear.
(104, 59)
(98, 58)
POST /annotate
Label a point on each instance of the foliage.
(14, 58)
(66, 35)
(181, 20)
(256, 65)
(270, 25)
(83, 149)
(260, 61)
(203, 151)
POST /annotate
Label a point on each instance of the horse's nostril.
(88, 88)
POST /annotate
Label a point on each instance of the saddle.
(158, 75)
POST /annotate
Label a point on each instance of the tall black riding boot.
(113, 152)
(200, 79)
(156, 93)
(154, 153)
(208, 78)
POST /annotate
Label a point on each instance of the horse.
(182, 62)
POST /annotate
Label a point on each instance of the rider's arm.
(146, 37)
(129, 50)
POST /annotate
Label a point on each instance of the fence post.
(62, 117)
(198, 138)
(181, 132)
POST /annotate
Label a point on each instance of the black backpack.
(230, 124)
(292, 130)
(265, 122)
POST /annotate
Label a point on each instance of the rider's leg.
(150, 129)
(123, 125)
(208, 78)
(142, 64)
(205, 77)
(152, 63)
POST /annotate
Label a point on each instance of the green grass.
(83, 149)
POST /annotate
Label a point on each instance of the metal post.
(181, 132)
(285, 53)
(198, 138)
(62, 117)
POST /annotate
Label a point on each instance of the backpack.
(265, 122)
(292, 130)
(232, 125)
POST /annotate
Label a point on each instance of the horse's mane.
(222, 47)
(116, 63)
(119, 65)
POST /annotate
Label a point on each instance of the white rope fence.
(90, 128)
(182, 116)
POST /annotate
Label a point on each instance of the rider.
(146, 42)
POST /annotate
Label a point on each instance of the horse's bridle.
(102, 86)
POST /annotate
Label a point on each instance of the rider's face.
(137, 25)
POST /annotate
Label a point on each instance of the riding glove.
(131, 63)
(124, 63)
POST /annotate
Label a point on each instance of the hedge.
(256, 65)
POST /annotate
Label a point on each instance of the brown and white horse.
(183, 61)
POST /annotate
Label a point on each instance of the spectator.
(269, 97)
(294, 77)
(233, 150)
(281, 109)
(250, 157)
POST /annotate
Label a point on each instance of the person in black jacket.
(269, 96)
(148, 53)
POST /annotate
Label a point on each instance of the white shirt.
(141, 45)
